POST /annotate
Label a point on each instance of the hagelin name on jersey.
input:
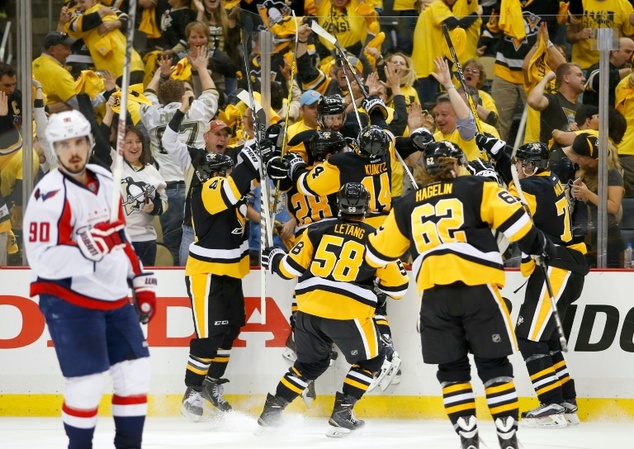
(348, 229)
(433, 190)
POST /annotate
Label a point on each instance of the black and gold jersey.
(447, 227)
(334, 281)
(218, 210)
(310, 209)
(341, 168)
(549, 207)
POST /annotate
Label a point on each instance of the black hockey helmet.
(435, 152)
(353, 199)
(324, 142)
(533, 155)
(373, 142)
(330, 105)
(213, 163)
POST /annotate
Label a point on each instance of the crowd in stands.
(535, 57)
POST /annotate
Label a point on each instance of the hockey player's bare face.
(333, 122)
(72, 154)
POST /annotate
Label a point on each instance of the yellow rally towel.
(563, 12)
(376, 42)
(12, 243)
(511, 19)
(182, 70)
(135, 98)
(231, 115)
(148, 24)
(538, 65)
(89, 83)
(151, 63)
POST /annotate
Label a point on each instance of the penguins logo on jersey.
(135, 194)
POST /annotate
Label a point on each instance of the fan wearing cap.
(301, 131)
(585, 152)
(57, 83)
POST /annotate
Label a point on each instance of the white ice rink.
(236, 431)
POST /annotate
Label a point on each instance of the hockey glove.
(479, 167)
(547, 251)
(295, 165)
(269, 255)
(421, 137)
(277, 169)
(144, 294)
(490, 144)
(101, 239)
(374, 103)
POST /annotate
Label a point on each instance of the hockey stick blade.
(323, 33)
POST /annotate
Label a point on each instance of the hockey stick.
(333, 40)
(541, 263)
(463, 84)
(117, 170)
(283, 137)
(259, 130)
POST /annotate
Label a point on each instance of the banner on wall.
(600, 326)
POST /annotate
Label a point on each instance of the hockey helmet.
(324, 142)
(353, 199)
(330, 105)
(373, 142)
(213, 163)
(68, 125)
(533, 156)
(436, 154)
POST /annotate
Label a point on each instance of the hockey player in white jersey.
(165, 97)
(83, 264)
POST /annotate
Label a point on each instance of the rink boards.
(601, 357)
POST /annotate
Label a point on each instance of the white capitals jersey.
(156, 116)
(58, 208)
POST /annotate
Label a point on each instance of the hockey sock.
(197, 368)
(544, 379)
(459, 400)
(291, 385)
(357, 381)
(79, 426)
(502, 398)
(129, 431)
(563, 374)
(219, 363)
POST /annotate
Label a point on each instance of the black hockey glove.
(374, 103)
(548, 250)
(269, 255)
(490, 144)
(421, 137)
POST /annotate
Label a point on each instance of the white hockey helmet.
(67, 125)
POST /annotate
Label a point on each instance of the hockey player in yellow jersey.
(370, 164)
(535, 329)
(446, 224)
(336, 301)
(217, 262)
